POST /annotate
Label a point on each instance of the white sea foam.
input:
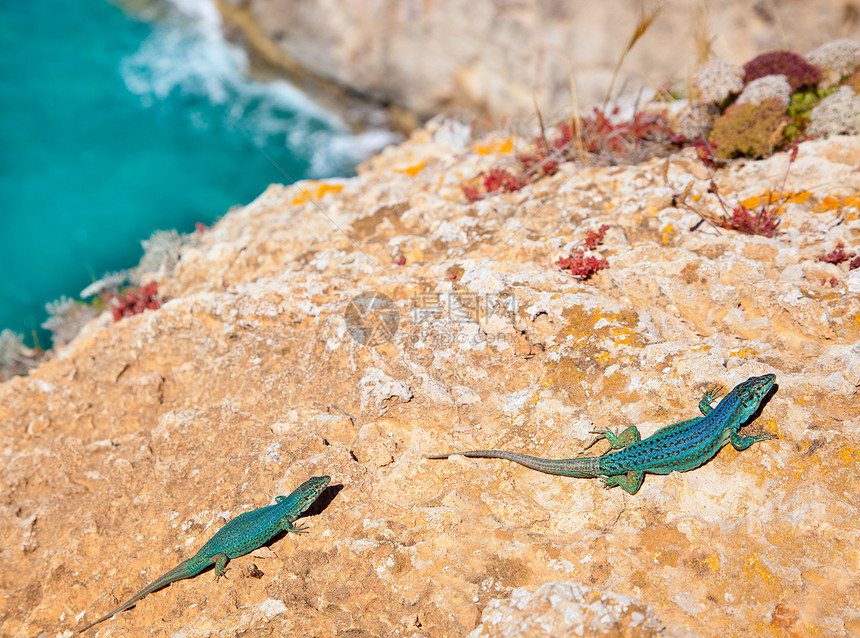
(187, 55)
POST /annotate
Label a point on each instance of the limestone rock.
(129, 449)
(566, 609)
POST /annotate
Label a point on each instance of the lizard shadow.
(323, 500)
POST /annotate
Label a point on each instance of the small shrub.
(160, 254)
(837, 60)
(108, 285)
(579, 264)
(693, 122)
(769, 87)
(741, 218)
(716, 81)
(837, 113)
(647, 134)
(797, 71)
(15, 357)
(11, 348)
(133, 302)
(749, 130)
(764, 222)
(597, 140)
(496, 180)
(837, 255)
(66, 317)
(799, 109)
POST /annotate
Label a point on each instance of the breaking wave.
(187, 56)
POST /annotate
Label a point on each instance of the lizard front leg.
(711, 395)
(296, 529)
(741, 443)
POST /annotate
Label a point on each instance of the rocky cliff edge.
(352, 327)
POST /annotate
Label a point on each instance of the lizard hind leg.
(628, 436)
(629, 482)
(220, 565)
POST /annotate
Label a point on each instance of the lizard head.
(751, 392)
(308, 491)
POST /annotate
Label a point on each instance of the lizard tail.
(583, 467)
(177, 573)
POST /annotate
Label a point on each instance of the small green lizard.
(243, 534)
(681, 447)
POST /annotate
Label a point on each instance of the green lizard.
(681, 447)
(243, 534)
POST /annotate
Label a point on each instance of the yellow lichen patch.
(505, 146)
(827, 295)
(622, 330)
(804, 464)
(585, 326)
(713, 562)
(828, 203)
(312, 191)
(745, 353)
(412, 171)
(768, 198)
(834, 202)
(622, 335)
(617, 383)
(756, 568)
(589, 339)
(667, 234)
(751, 202)
(849, 455)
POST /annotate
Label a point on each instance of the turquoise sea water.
(114, 126)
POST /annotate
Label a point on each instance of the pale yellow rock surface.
(127, 451)
(499, 58)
